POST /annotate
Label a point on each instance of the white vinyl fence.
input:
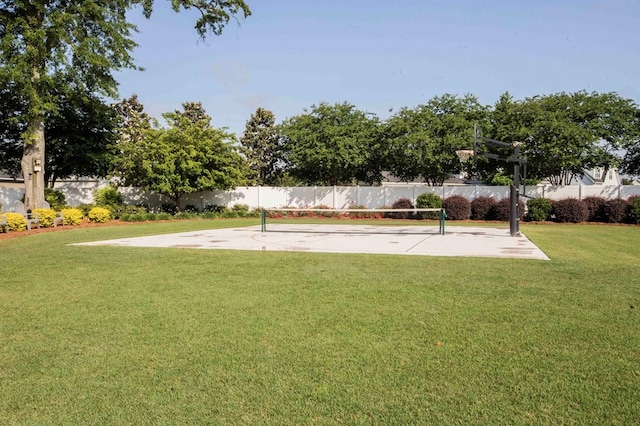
(81, 192)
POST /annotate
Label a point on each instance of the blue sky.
(383, 55)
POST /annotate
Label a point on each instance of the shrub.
(85, 209)
(185, 216)
(503, 207)
(595, 207)
(241, 210)
(99, 215)
(457, 207)
(109, 196)
(320, 214)
(616, 211)
(634, 210)
(118, 211)
(539, 209)
(55, 199)
(191, 208)
(139, 217)
(483, 208)
(45, 216)
(402, 203)
(429, 200)
(570, 210)
(214, 208)
(168, 208)
(72, 216)
(163, 216)
(16, 221)
(362, 215)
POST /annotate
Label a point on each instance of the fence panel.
(81, 192)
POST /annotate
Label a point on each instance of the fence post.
(334, 197)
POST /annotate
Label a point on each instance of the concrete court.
(405, 240)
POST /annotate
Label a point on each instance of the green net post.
(443, 216)
(263, 220)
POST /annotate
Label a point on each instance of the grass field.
(112, 335)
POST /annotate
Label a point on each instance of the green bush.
(85, 209)
(634, 210)
(457, 207)
(109, 196)
(483, 208)
(16, 221)
(570, 210)
(119, 210)
(55, 199)
(99, 215)
(539, 209)
(185, 216)
(429, 200)
(45, 216)
(139, 217)
(72, 216)
(164, 216)
(214, 208)
(242, 210)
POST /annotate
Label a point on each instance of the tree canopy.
(187, 156)
(80, 135)
(422, 142)
(261, 148)
(332, 145)
(565, 133)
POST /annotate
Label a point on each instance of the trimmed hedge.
(72, 216)
(16, 221)
(595, 207)
(99, 215)
(45, 216)
(570, 210)
(483, 208)
(503, 207)
(402, 203)
(457, 207)
(616, 211)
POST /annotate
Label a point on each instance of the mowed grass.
(115, 335)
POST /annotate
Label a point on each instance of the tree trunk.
(33, 165)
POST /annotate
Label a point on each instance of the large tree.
(43, 42)
(261, 148)
(423, 142)
(565, 133)
(80, 135)
(332, 145)
(186, 157)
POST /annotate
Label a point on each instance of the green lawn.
(113, 335)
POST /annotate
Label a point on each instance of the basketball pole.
(514, 188)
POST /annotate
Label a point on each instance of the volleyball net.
(270, 214)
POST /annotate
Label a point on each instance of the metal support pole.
(514, 195)
(263, 221)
